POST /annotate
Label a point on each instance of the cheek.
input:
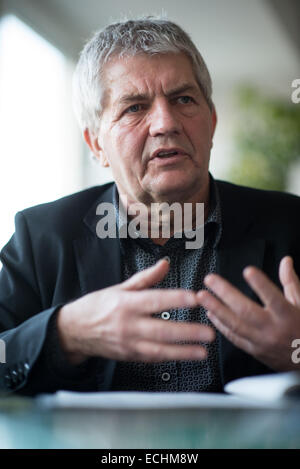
(129, 144)
(200, 131)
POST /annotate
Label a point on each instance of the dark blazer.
(55, 257)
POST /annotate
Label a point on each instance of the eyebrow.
(129, 98)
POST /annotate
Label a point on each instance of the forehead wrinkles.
(143, 76)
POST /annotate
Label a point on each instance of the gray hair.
(147, 35)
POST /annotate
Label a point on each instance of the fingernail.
(208, 280)
(166, 258)
(247, 269)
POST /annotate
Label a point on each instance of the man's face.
(154, 104)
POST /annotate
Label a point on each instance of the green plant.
(266, 140)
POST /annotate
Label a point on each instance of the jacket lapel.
(98, 260)
(238, 248)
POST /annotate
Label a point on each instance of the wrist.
(67, 337)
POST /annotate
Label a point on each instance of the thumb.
(148, 277)
(289, 281)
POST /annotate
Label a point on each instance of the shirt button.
(165, 315)
(165, 376)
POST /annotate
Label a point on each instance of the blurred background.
(252, 49)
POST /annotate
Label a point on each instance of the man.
(84, 313)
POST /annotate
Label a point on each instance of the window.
(39, 140)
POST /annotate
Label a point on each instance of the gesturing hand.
(116, 322)
(265, 332)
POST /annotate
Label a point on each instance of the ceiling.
(240, 40)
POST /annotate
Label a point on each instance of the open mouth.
(169, 157)
(166, 154)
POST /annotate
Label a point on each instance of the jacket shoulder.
(65, 214)
(257, 200)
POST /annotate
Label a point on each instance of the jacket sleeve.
(32, 360)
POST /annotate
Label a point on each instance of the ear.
(214, 120)
(93, 143)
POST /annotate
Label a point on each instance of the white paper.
(148, 400)
(265, 387)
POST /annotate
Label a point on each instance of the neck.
(160, 220)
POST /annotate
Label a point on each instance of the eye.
(185, 99)
(134, 108)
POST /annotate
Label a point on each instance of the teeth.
(165, 153)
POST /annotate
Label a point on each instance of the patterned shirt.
(188, 267)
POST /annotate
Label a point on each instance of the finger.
(157, 300)
(172, 331)
(233, 336)
(245, 309)
(148, 277)
(229, 319)
(267, 291)
(289, 280)
(230, 324)
(155, 352)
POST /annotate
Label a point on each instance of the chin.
(172, 192)
(175, 186)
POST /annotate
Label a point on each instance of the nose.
(163, 120)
